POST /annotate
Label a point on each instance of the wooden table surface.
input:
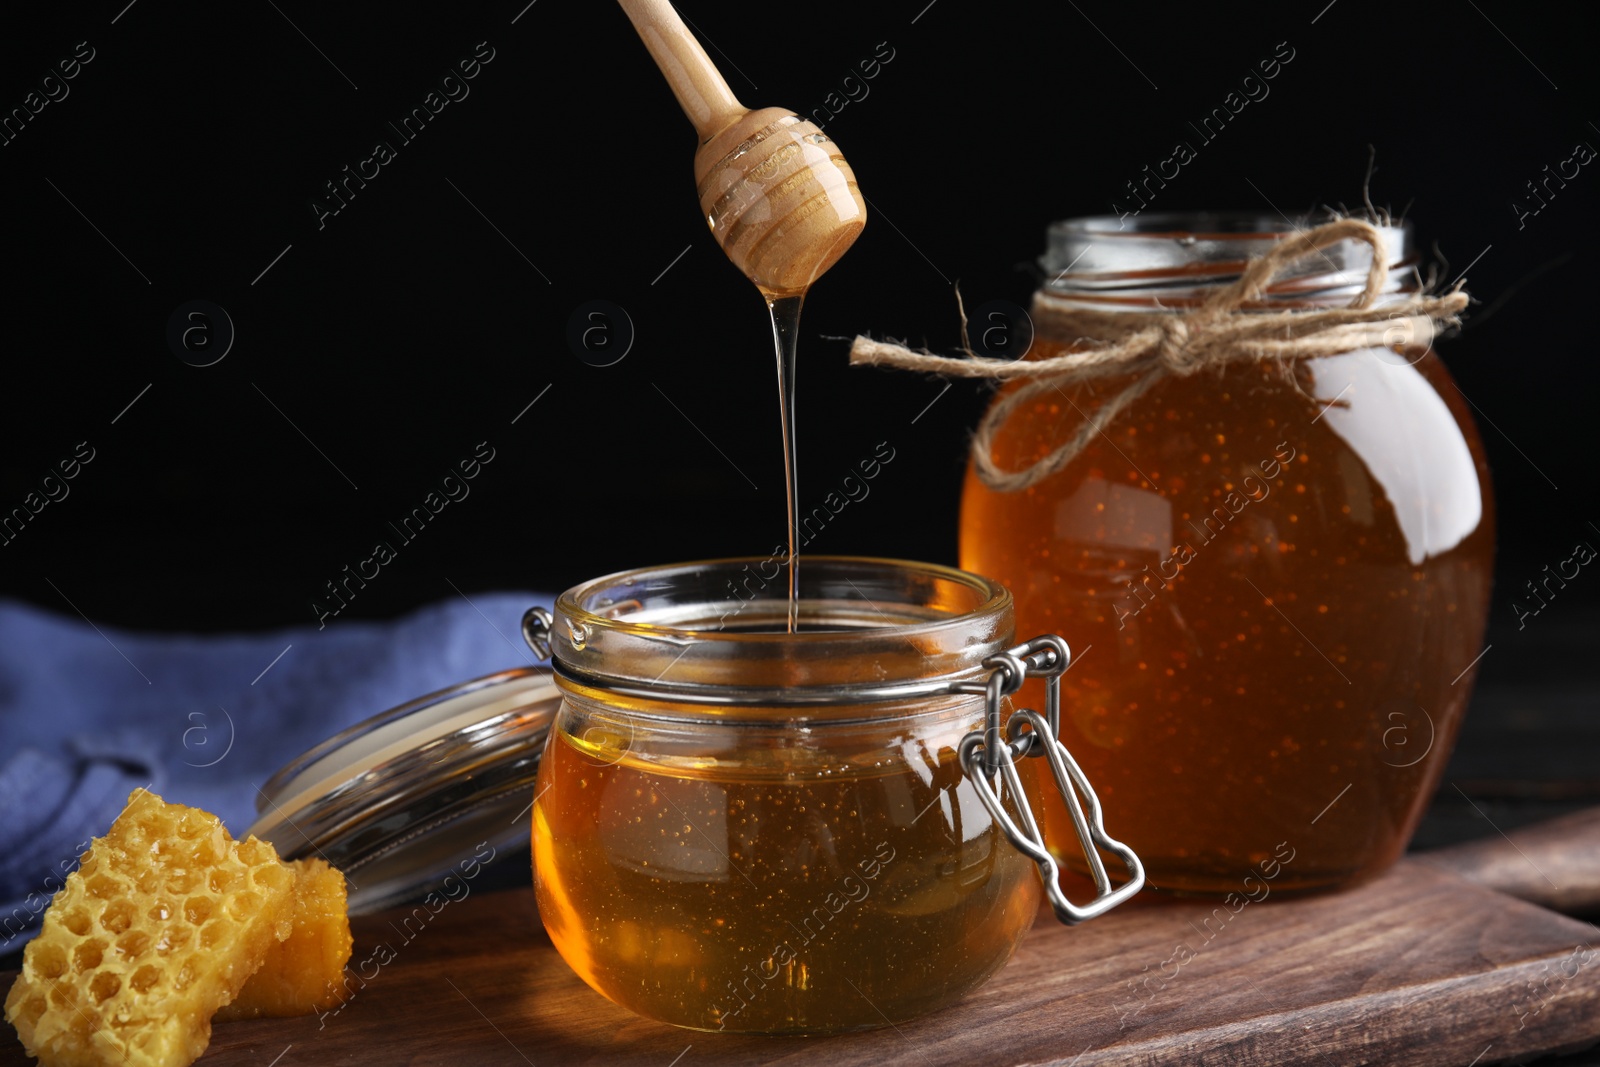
(1418, 967)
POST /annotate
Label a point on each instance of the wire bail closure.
(993, 752)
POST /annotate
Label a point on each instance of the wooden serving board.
(1418, 967)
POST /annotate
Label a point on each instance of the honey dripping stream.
(785, 314)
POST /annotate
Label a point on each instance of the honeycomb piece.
(304, 974)
(162, 923)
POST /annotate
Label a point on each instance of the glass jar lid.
(402, 800)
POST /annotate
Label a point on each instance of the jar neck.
(1167, 262)
(714, 633)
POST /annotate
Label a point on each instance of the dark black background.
(408, 329)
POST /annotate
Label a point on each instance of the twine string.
(1224, 329)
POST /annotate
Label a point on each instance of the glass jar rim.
(1176, 257)
(1219, 225)
(656, 631)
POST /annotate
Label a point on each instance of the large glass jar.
(1275, 575)
(743, 829)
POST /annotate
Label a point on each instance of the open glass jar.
(1276, 572)
(739, 828)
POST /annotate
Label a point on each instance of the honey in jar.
(742, 828)
(755, 898)
(1274, 576)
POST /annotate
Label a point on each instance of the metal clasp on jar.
(992, 753)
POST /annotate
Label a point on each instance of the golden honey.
(798, 890)
(1275, 587)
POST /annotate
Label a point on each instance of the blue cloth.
(88, 714)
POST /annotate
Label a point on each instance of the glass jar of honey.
(740, 828)
(1275, 572)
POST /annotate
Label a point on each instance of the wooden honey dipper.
(780, 198)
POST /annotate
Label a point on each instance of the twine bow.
(1223, 330)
